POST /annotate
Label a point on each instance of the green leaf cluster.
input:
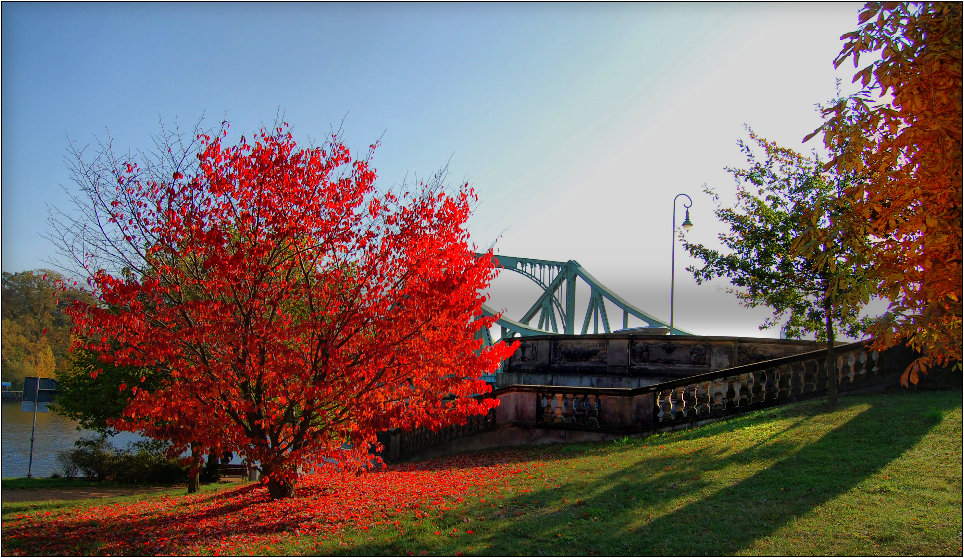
(92, 392)
(786, 248)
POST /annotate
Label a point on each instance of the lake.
(54, 433)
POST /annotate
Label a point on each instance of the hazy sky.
(576, 123)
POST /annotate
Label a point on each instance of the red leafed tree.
(296, 310)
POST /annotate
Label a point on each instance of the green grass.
(879, 475)
(35, 483)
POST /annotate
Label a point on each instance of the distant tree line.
(36, 329)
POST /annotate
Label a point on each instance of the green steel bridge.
(556, 307)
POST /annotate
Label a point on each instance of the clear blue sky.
(576, 123)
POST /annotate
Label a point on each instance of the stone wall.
(538, 414)
(628, 360)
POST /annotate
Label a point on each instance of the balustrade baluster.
(756, 393)
(596, 414)
(731, 394)
(702, 398)
(847, 370)
(822, 376)
(808, 376)
(797, 371)
(690, 400)
(746, 382)
(784, 379)
(862, 364)
(719, 396)
(679, 404)
(658, 407)
(771, 389)
(663, 404)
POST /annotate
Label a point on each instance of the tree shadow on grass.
(243, 519)
(693, 510)
(479, 458)
(612, 515)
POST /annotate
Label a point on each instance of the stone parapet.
(632, 360)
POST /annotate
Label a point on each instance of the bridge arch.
(556, 306)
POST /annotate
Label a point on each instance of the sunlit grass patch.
(878, 475)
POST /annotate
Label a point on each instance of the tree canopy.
(820, 291)
(902, 133)
(293, 310)
(36, 328)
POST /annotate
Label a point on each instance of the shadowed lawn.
(879, 475)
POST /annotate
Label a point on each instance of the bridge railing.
(669, 404)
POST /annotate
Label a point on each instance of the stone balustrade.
(633, 359)
(529, 414)
(762, 384)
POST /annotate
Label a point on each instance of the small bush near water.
(142, 462)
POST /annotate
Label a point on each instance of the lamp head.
(687, 224)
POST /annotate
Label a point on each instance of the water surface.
(53, 433)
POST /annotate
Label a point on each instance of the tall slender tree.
(782, 200)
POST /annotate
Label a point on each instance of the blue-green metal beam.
(554, 276)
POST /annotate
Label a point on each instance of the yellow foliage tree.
(902, 132)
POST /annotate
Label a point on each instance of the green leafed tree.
(91, 392)
(783, 199)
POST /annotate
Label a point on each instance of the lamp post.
(687, 225)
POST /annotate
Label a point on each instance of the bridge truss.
(556, 307)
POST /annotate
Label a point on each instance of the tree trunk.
(279, 489)
(278, 486)
(830, 364)
(194, 473)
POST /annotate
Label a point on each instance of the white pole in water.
(33, 429)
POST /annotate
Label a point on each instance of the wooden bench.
(233, 470)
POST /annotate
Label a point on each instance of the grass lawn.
(880, 475)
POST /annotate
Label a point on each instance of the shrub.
(65, 459)
(142, 462)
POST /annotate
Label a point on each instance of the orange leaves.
(906, 150)
(913, 372)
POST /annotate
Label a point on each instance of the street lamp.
(687, 225)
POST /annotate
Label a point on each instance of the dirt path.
(80, 493)
(83, 492)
